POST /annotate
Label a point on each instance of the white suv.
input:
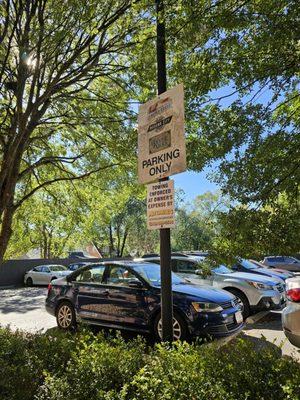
(256, 292)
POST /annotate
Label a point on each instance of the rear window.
(58, 268)
(276, 259)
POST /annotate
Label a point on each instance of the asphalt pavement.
(24, 308)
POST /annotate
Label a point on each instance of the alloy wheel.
(64, 316)
(176, 329)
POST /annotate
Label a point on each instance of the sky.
(194, 183)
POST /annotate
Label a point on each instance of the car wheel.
(244, 300)
(52, 279)
(29, 282)
(65, 316)
(179, 327)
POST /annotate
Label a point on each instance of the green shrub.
(236, 372)
(97, 371)
(82, 366)
(24, 357)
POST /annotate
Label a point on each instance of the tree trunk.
(111, 241)
(123, 242)
(6, 230)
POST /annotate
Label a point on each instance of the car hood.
(276, 274)
(203, 292)
(288, 274)
(246, 276)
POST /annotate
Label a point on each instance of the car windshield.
(57, 268)
(249, 265)
(151, 273)
(222, 269)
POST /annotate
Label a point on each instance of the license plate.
(239, 317)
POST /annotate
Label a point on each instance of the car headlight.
(259, 285)
(207, 307)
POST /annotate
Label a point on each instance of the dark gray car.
(283, 262)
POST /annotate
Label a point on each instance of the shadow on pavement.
(22, 300)
(271, 321)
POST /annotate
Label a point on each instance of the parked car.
(283, 262)
(75, 266)
(256, 292)
(243, 265)
(126, 295)
(291, 314)
(77, 254)
(43, 274)
(261, 265)
(197, 253)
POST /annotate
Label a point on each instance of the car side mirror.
(198, 272)
(135, 284)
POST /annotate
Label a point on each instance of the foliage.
(82, 366)
(64, 114)
(255, 233)
(196, 223)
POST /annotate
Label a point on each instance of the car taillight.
(49, 288)
(293, 294)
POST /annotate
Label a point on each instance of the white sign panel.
(161, 140)
(160, 205)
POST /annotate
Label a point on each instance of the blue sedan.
(126, 295)
(253, 267)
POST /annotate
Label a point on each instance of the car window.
(120, 276)
(290, 260)
(54, 268)
(185, 266)
(151, 273)
(91, 275)
(37, 269)
(222, 269)
(248, 264)
(278, 259)
(45, 269)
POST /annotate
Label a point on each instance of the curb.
(255, 318)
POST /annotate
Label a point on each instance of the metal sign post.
(162, 153)
(165, 242)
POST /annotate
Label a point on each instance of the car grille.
(230, 326)
(230, 304)
(280, 287)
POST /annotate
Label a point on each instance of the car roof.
(128, 263)
(48, 265)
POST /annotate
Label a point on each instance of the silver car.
(291, 313)
(256, 292)
(44, 274)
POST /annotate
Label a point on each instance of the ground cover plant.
(85, 366)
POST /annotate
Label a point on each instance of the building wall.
(12, 271)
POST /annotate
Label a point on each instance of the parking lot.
(23, 308)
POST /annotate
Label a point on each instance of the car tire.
(29, 282)
(244, 300)
(180, 331)
(65, 316)
(52, 279)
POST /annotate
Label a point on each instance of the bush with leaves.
(82, 366)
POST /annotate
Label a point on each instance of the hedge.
(84, 366)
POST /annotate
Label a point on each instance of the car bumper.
(50, 307)
(291, 323)
(294, 339)
(275, 302)
(217, 326)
